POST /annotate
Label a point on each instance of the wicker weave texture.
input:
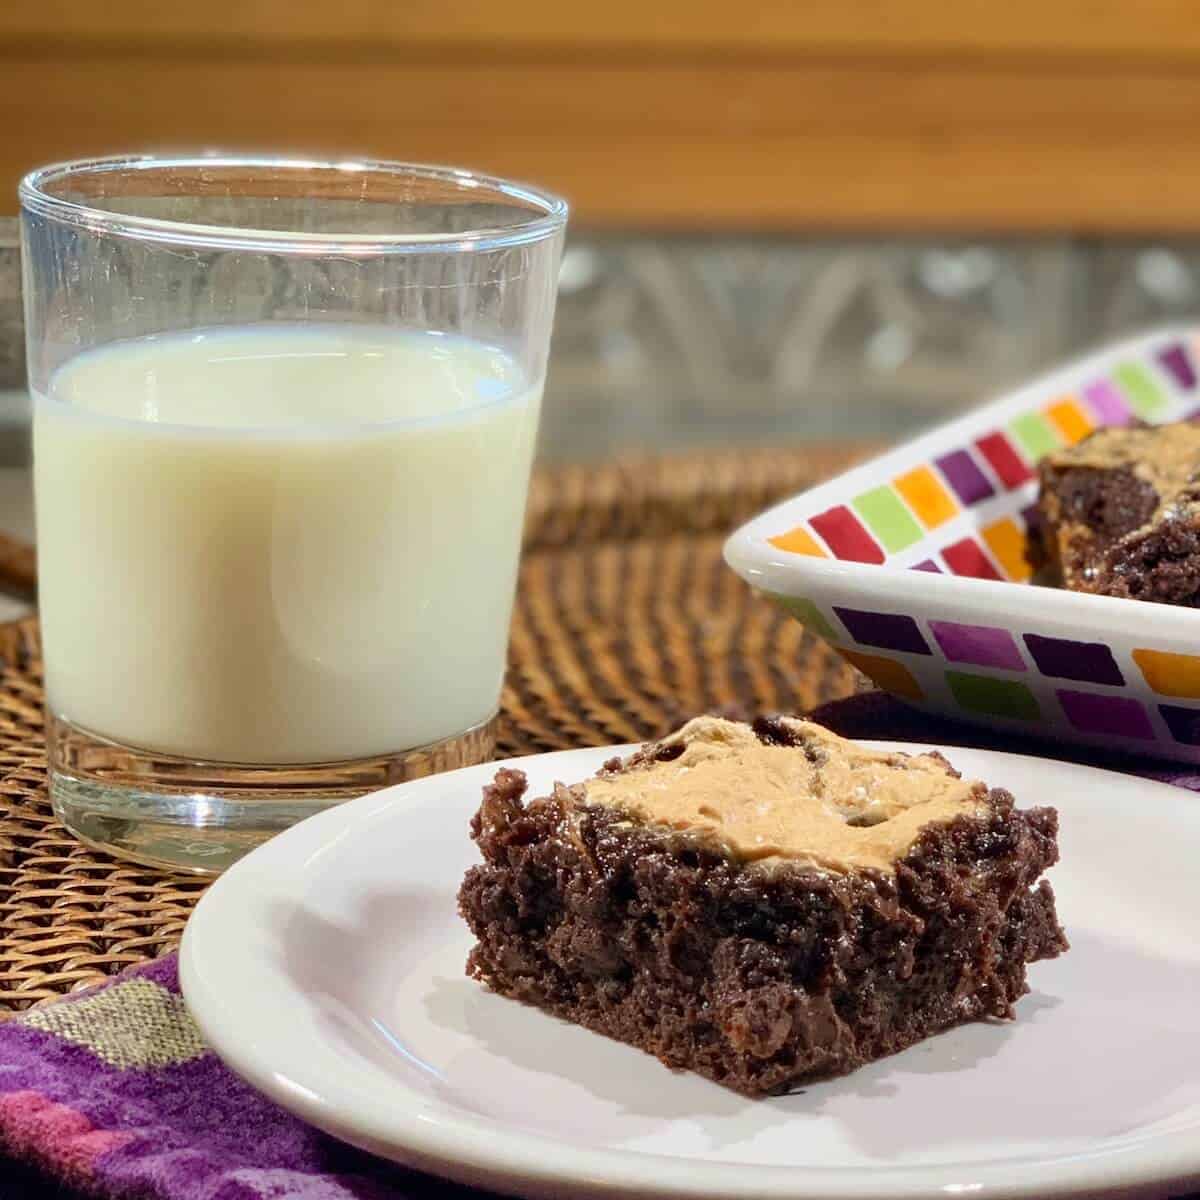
(627, 622)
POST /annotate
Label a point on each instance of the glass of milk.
(284, 415)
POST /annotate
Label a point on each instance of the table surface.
(626, 621)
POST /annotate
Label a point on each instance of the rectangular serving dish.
(912, 566)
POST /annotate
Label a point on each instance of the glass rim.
(549, 215)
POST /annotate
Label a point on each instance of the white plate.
(327, 969)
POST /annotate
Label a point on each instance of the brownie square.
(800, 906)
(1119, 514)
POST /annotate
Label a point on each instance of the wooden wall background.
(1077, 115)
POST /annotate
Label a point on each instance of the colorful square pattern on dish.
(1023, 675)
(926, 496)
(1070, 420)
(900, 515)
(965, 509)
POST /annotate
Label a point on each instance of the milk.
(280, 543)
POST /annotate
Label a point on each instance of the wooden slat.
(94, 96)
(1026, 27)
(864, 144)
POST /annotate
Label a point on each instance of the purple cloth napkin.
(111, 1093)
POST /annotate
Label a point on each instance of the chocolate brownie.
(1119, 514)
(763, 905)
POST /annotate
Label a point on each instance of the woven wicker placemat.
(626, 622)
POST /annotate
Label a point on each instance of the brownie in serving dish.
(1119, 514)
(762, 904)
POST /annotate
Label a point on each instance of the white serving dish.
(912, 567)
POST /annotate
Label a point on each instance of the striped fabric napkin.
(111, 1093)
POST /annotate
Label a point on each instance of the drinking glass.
(284, 415)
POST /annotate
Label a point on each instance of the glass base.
(201, 817)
